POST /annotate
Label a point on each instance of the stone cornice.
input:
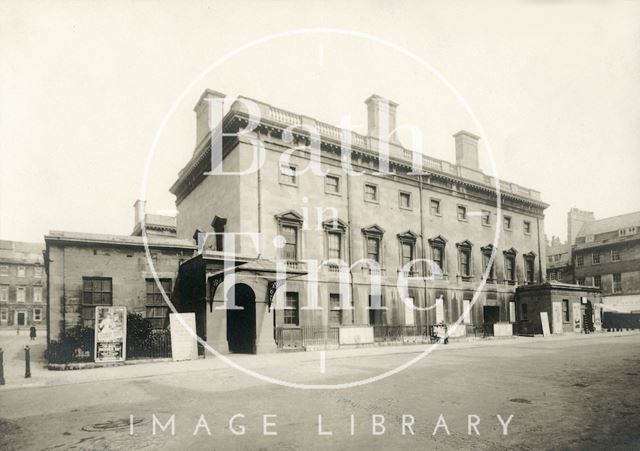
(273, 124)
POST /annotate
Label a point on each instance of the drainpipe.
(349, 240)
(423, 250)
(539, 251)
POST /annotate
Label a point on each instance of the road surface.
(571, 393)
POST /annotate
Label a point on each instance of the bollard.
(1, 366)
(27, 362)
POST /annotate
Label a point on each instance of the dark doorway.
(587, 317)
(491, 315)
(241, 324)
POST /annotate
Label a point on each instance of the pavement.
(14, 365)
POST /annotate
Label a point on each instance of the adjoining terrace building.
(606, 254)
(22, 285)
(447, 215)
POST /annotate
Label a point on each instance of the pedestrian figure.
(32, 332)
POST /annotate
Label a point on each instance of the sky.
(85, 86)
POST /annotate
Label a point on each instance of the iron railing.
(158, 345)
(306, 336)
(401, 334)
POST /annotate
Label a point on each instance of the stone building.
(606, 254)
(559, 262)
(22, 285)
(86, 270)
(569, 308)
(376, 223)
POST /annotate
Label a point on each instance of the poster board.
(184, 345)
(110, 344)
(577, 317)
(544, 319)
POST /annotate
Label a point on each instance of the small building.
(88, 270)
(570, 308)
(22, 285)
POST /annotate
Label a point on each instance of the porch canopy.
(259, 271)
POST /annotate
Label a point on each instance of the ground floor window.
(4, 315)
(37, 314)
(524, 312)
(565, 310)
(617, 282)
(376, 310)
(95, 291)
(157, 309)
(335, 311)
(291, 309)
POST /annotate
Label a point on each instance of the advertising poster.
(111, 334)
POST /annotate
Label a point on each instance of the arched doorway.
(241, 324)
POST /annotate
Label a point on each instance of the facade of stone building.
(22, 285)
(559, 262)
(86, 270)
(606, 254)
(447, 215)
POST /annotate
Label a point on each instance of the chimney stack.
(208, 109)
(139, 209)
(381, 118)
(467, 150)
(576, 218)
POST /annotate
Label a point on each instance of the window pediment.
(437, 241)
(530, 255)
(488, 249)
(291, 217)
(510, 252)
(408, 236)
(373, 230)
(465, 244)
(334, 224)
